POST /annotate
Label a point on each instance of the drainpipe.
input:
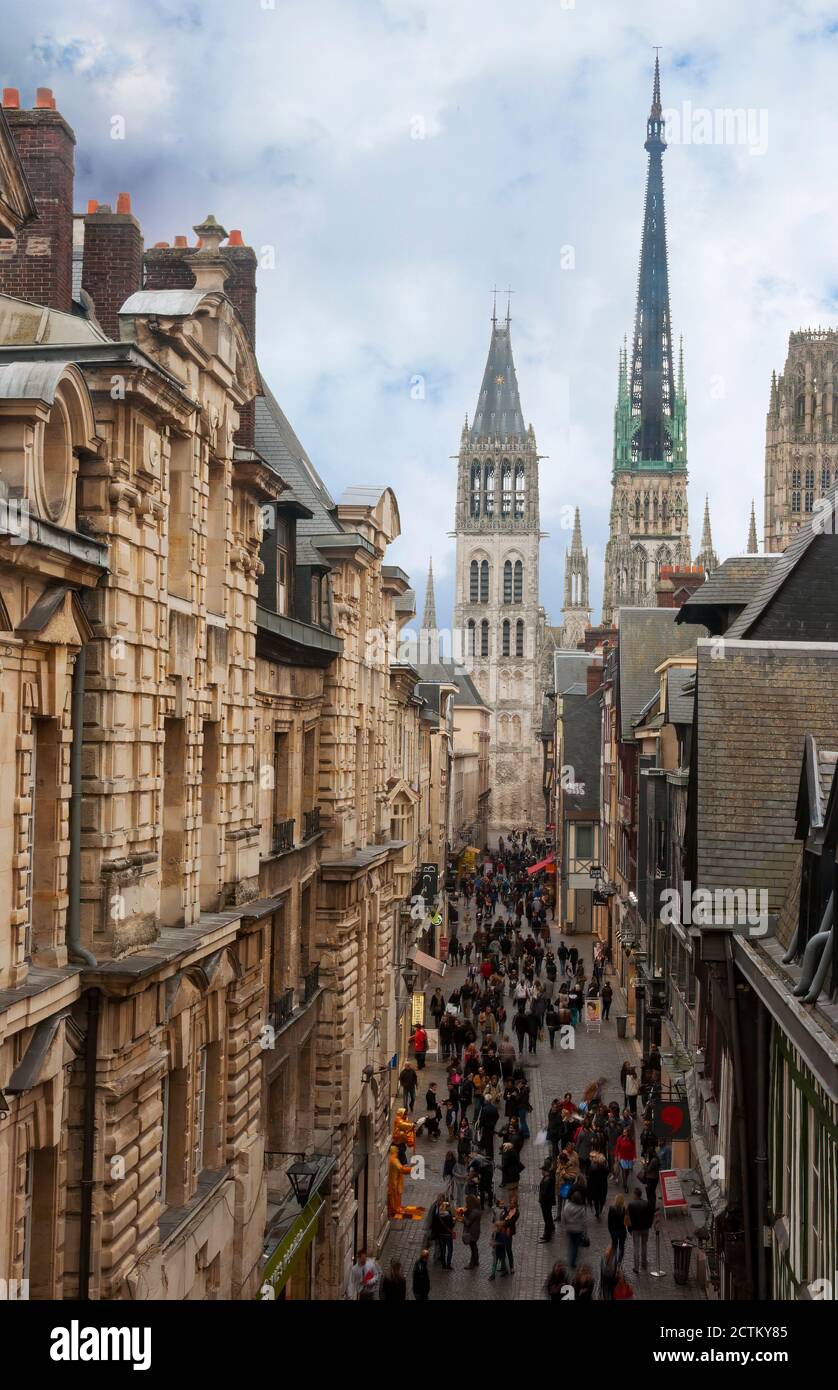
(738, 1082)
(762, 1148)
(88, 1138)
(75, 950)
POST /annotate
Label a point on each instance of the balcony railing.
(282, 1008)
(311, 823)
(283, 836)
(311, 984)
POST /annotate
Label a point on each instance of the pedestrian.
(640, 1222)
(575, 1224)
(394, 1285)
(617, 1229)
(632, 1088)
(607, 997)
(511, 1169)
(551, 1019)
(650, 1176)
(408, 1081)
(547, 1200)
(457, 1180)
(364, 1278)
(471, 1230)
(625, 1152)
(597, 1179)
(609, 1269)
(422, 1278)
(500, 1249)
(563, 954)
(446, 1234)
(437, 1006)
(419, 1039)
(558, 1285)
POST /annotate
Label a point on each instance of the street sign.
(671, 1120)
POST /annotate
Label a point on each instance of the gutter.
(75, 950)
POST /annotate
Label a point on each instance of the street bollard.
(657, 1272)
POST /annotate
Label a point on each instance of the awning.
(543, 864)
(28, 1070)
(435, 967)
(290, 1249)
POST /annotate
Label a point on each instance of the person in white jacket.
(364, 1278)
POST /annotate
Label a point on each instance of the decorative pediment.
(56, 619)
(183, 990)
(401, 789)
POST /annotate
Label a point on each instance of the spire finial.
(495, 307)
(509, 294)
(753, 544)
(429, 615)
(656, 86)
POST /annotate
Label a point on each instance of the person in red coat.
(625, 1152)
(419, 1039)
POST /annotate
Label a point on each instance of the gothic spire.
(429, 615)
(707, 557)
(753, 544)
(652, 377)
(706, 537)
(499, 414)
(576, 610)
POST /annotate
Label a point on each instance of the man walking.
(419, 1040)
(364, 1279)
(422, 1278)
(408, 1081)
(547, 1200)
(640, 1222)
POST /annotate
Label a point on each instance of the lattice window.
(518, 583)
(484, 581)
(484, 637)
(519, 637)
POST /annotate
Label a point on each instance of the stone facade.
(221, 786)
(498, 621)
(801, 435)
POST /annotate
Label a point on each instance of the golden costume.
(404, 1130)
(395, 1182)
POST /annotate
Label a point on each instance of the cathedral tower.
(707, 557)
(576, 610)
(801, 461)
(498, 624)
(649, 521)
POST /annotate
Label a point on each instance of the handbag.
(565, 1189)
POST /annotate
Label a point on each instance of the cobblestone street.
(550, 1074)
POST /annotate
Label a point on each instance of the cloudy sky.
(395, 159)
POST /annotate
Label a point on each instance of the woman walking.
(625, 1151)
(471, 1230)
(617, 1225)
(597, 1179)
(575, 1225)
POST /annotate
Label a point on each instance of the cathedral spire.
(499, 414)
(652, 376)
(753, 544)
(707, 557)
(576, 610)
(429, 615)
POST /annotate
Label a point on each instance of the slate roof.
(570, 667)
(734, 582)
(498, 414)
(680, 700)
(646, 637)
(276, 441)
(581, 736)
(779, 573)
(755, 708)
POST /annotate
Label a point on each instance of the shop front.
(288, 1275)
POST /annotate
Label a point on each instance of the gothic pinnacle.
(429, 615)
(753, 544)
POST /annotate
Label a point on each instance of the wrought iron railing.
(282, 1008)
(311, 823)
(283, 836)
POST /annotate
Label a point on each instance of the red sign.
(672, 1196)
(548, 864)
(443, 948)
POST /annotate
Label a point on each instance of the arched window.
(825, 477)
(516, 729)
(504, 650)
(470, 636)
(484, 581)
(475, 488)
(637, 508)
(473, 582)
(519, 637)
(519, 490)
(484, 637)
(809, 492)
(800, 392)
(506, 488)
(518, 583)
(489, 492)
(507, 581)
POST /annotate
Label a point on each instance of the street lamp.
(301, 1176)
(410, 975)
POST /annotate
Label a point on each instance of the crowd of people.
(517, 986)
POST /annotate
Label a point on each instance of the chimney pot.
(11, 98)
(44, 99)
(92, 205)
(161, 245)
(235, 238)
(123, 202)
(180, 241)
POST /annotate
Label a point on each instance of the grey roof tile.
(647, 636)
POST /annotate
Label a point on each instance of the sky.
(393, 160)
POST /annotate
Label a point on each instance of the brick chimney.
(38, 264)
(167, 268)
(112, 267)
(678, 583)
(594, 675)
